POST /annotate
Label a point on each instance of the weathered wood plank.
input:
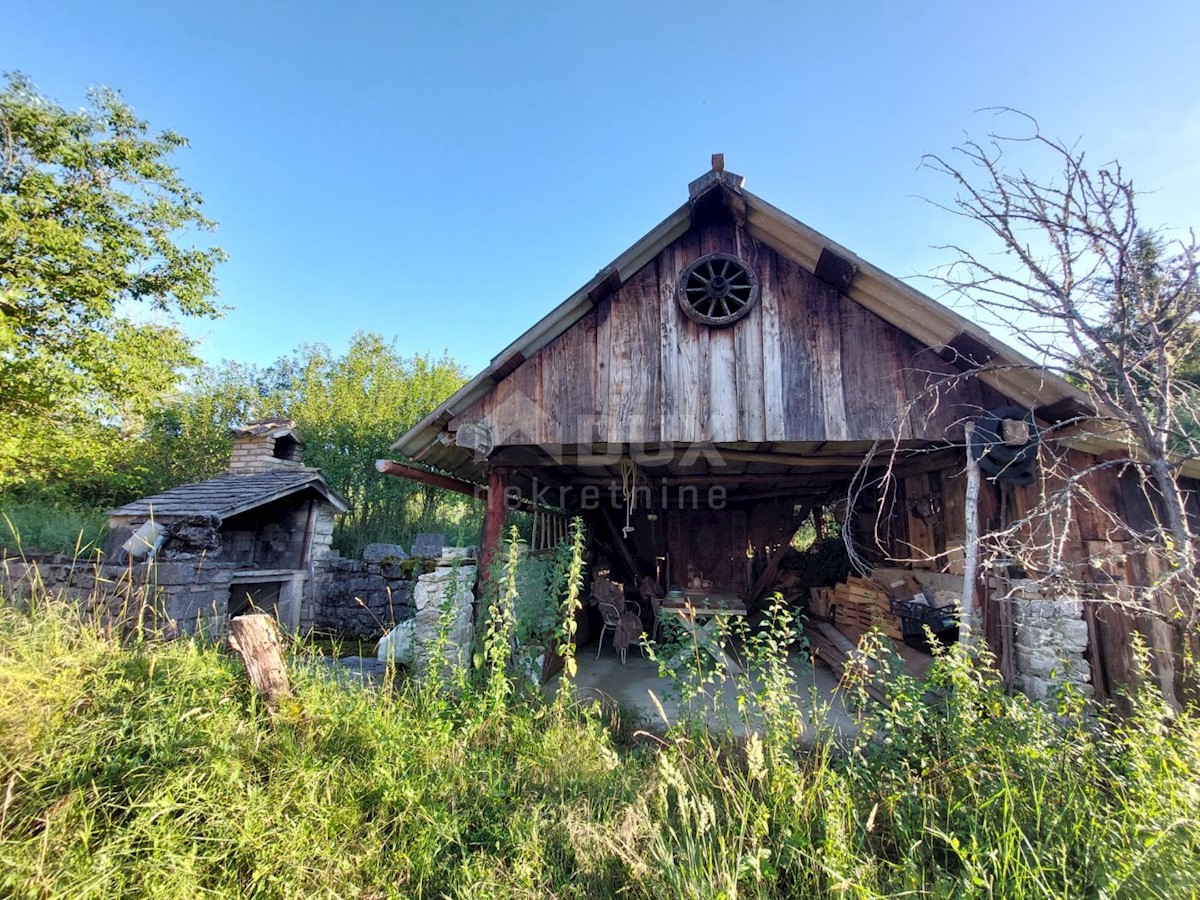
(552, 389)
(828, 359)
(941, 397)
(774, 413)
(692, 369)
(871, 378)
(803, 411)
(579, 353)
(632, 413)
(722, 352)
(671, 391)
(722, 386)
(603, 375)
(921, 541)
(748, 349)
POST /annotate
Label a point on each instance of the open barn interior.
(734, 527)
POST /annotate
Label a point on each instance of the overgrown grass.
(151, 770)
(50, 526)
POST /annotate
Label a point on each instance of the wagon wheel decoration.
(717, 289)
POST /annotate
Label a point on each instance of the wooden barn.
(734, 371)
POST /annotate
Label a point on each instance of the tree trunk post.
(970, 618)
(256, 638)
(493, 522)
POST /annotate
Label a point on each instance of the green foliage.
(548, 587)
(571, 602)
(187, 438)
(153, 770)
(49, 527)
(503, 593)
(349, 409)
(91, 220)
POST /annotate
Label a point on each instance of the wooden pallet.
(862, 604)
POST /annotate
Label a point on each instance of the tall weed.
(151, 769)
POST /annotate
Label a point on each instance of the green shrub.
(50, 526)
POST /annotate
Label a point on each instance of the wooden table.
(699, 612)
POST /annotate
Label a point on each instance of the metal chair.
(611, 617)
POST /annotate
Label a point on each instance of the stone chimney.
(265, 445)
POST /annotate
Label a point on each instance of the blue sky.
(445, 173)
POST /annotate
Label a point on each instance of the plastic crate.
(915, 616)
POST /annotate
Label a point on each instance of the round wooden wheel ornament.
(717, 289)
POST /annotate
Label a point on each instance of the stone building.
(249, 538)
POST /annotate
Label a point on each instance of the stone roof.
(228, 495)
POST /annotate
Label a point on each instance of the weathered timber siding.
(1103, 563)
(806, 364)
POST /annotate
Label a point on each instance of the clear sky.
(446, 173)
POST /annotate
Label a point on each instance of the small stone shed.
(251, 536)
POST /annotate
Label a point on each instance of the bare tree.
(1091, 292)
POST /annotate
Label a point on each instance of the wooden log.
(493, 523)
(432, 479)
(256, 639)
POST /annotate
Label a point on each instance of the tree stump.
(256, 639)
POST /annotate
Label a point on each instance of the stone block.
(1042, 609)
(1039, 662)
(187, 605)
(429, 546)
(1073, 635)
(1069, 608)
(377, 553)
(173, 573)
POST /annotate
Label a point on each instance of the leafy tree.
(348, 408)
(92, 217)
(187, 436)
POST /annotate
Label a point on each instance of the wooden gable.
(806, 364)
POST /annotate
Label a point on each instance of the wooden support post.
(256, 639)
(970, 619)
(493, 522)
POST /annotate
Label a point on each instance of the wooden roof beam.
(430, 479)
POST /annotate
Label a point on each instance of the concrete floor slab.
(631, 686)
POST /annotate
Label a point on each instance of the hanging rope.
(629, 482)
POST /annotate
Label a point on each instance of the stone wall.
(443, 627)
(164, 597)
(444, 599)
(1050, 642)
(359, 600)
(362, 599)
